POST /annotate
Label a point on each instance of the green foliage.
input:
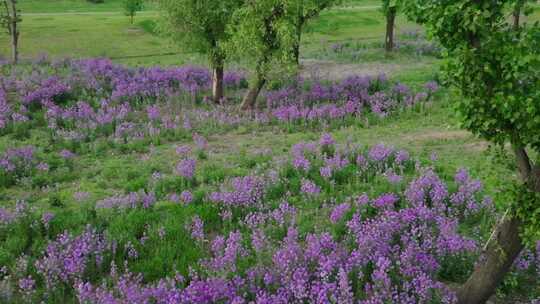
(495, 65)
(302, 11)
(388, 5)
(267, 33)
(198, 26)
(9, 15)
(526, 207)
(262, 35)
(131, 7)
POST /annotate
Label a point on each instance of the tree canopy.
(495, 64)
(198, 25)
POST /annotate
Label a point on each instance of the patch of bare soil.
(438, 135)
(336, 71)
(134, 30)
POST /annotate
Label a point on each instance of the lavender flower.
(327, 140)
(310, 188)
(339, 211)
(186, 168)
(66, 154)
(380, 153)
(197, 228)
(200, 142)
(46, 219)
(186, 197)
(183, 150)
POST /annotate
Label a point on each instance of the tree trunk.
(250, 99)
(500, 255)
(131, 19)
(298, 42)
(15, 45)
(390, 24)
(503, 248)
(516, 14)
(14, 31)
(217, 82)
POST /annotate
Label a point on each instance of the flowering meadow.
(321, 221)
(82, 100)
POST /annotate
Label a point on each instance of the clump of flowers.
(128, 201)
(186, 168)
(67, 259)
(186, 197)
(309, 188)
(197, 228)
(244, 191)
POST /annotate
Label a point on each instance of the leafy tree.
(301, 12)
(268, 34)
(390, 9)
(201, 26)
(520, 7)
(10, 19)
(495, 64)
(264, 36)
(131, 7)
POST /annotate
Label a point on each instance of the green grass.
(72, 6)
(111, 35)
(84, 6)
(107, 33)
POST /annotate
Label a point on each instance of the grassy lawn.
(111, 35)
(71, 6)
(86, 36)
(84, 6)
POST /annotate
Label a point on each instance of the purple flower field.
(82, 100)
(324, 222)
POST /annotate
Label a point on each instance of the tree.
(494, 64)
(268, 34)
(263, 34)
(301, 11)
(390, 9)
(10, 19)
(520, 7)
(131, 7)
(201, 26)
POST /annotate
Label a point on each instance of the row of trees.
(264, 34)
